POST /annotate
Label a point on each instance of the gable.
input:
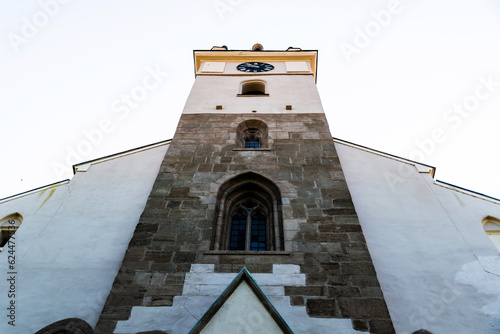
(242, 307)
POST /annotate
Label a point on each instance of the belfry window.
(252, 138)
(252, 134)
(248, 215)
(253, 88)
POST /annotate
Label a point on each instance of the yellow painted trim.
(492, 232)
(263, 56)
(15, 215)
(490, 219)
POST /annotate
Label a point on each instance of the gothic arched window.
(248, 227)
(248, 215)
(252, 134)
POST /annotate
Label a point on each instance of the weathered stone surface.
(360, 325)
(323, 308)
(322, 232)
(362, 307)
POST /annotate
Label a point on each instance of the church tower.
(250, 180)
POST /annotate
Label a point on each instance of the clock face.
(255, 67)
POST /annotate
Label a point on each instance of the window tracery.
(248, 215)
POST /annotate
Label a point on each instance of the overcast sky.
(80, 79)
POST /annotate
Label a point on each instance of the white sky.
(63, 74)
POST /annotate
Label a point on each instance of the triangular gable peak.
(242, 304)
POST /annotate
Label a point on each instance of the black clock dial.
(255, 67)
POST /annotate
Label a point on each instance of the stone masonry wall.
(321, 229)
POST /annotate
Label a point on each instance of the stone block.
(220, 168)
(339, 212)
(357, 237)
(281, 279)
(141, 239)
(134, 254)
(127, 298)
(163, 267)
(297, 301)
(325, 237)
(184, 257)
(191, 290)
(204, 168)
(211, 290)
(322, 308)
(158, 278)
(142, 278)
(364, 281)
(375, 292)
(165, 290)
(337, 280)
(142, 227)
(358, 268)
(165, 236)
(202, 268)
(368, 308)
(381, 326)
(106, 326)
(304, 291)
(158, 257)
(286, 269)
(360, 325)
(231, 259)
(161, 301)
(343, 291)
(332, 227)
(330, 247)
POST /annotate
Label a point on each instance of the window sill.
(229, 252)
(252, 95)
(251, 149)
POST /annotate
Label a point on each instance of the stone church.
(251, 219)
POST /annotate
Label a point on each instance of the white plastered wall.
(73, 238)
(299, 91)
(437, 268)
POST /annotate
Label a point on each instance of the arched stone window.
(253, 88)
(67, 326)
(252, 134)
(491, 226)
(248, 215)
(8, 226)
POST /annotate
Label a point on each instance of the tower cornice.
(294, 55)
